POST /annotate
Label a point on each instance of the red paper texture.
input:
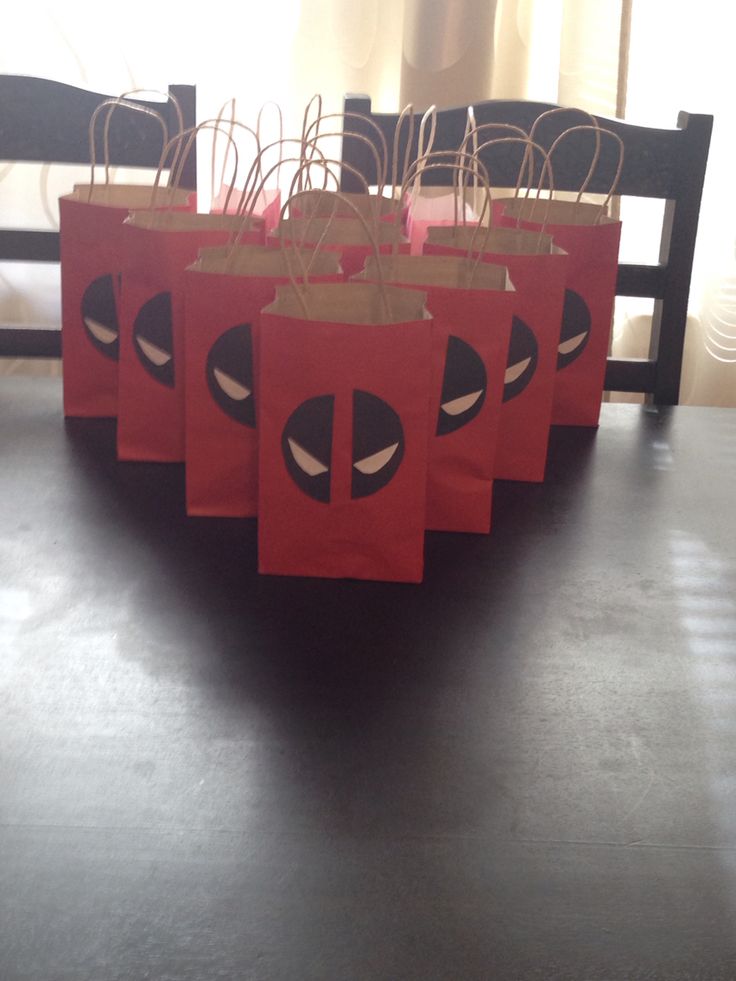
(151, 372)
(220, 343)
(470, 344)
(531, 368)
(587, 316)
(91, 264)
(343, 447)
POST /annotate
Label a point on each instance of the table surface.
(523, 768)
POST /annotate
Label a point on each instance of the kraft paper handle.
(589, 118)
(380, 171)
(530, 147)
(111, 105)
(248, 209)
(406, 113)
(256, 180)
(423, 150)
(468, 165)
(445, 159)
(233, 126)
(259, 119)
(293, 194)
(306, 126)
(184, 149)
(599, 132)
(474, 130)
(232, 122)
(213, 162)
(353, 170)
(169, 97)
(302, 293)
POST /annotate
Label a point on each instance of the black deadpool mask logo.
(377, 447)
(522, 360)
(230, 374)
(463, 386)
(575, 329)
(100, 316)
(153, 338)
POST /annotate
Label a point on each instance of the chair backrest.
(43, 121)
(668, 164)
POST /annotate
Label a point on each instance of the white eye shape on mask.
(377, 461)
(567, 347)
(457, 406)
(233, 389)
(156, 355)
(103, 333)
(305, 461)
(516, 371)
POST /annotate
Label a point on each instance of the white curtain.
(410, 50)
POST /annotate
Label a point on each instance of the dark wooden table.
(523, 769)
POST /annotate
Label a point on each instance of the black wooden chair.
(43, 121)
(667, 164)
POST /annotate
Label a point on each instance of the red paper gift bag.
(89, 225)
(470, 304)
(226, 289)
(538, 270)
(157, 249)
(591, 242)
(344, 394)
(591, 239)
(90, 220)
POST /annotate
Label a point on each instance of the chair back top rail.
(45, 121)
(658, 163)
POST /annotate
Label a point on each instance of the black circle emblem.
(377, 445)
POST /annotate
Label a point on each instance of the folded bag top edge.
(346, 231)
(555, 212)
(129, 195)
(446, 271)
(509, 241)
(186, 221)
(350, 303)
(261, 260)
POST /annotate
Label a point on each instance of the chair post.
(677, 249)
(187, 99)
(354, 152)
